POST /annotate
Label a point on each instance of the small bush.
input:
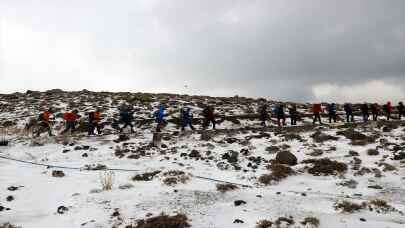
(145, 176)
(8, 225)
(163, 221)
(349, 207)
(107, 180)
(226, 187)
(174, 177)
(311, 221)
(289, 221)
(325, 167)
(264, 224)
(278, 173)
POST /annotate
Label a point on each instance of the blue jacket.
(126, 117)
(186, 116)
(160, 115)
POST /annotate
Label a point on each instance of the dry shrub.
(284, 220)
(278, 173)
(107, 180)
(325, 167)
(381, 206)
(349, 207)
(311, 221)
(164, 221)
(174, 177)
(226, 187)
(145, 176)
(264, 224)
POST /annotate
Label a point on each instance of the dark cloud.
(272, 48)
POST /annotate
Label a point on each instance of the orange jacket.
(95, 116)
(69, 116)
(45, 117)
(317, 108)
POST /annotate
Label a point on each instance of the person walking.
(388, 110)
(209, 117)
(292, 110)
(94, 122)
(316, 110)
(365, 112)
(186, 118)
(280, 115)
(332, 112)
(160, 115)
(71, 119)
(264, 115)
(375, 111)
(349, 112)
(401, 110)
(127, 117)
(44, 124)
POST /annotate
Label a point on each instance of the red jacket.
(69, 116)
(316, 108)
(45, 117)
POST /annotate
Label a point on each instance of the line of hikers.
(331, 110)
(126, 117)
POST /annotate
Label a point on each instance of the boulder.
(286, 158)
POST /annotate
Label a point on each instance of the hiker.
(264, 115)
(388, 110)
(316, 110)
(160, 118)
(375, 110)
(365, 112)
(126, 117)
(401, 110)
(280, 115)
(349, 112)
(209, 117)
(332, 112)
(94, 122)
(292, 110)
(44, 124)
(71, 120)
(186, 118)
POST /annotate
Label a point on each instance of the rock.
(12, 188)
(9, 198)
(86, 147)
(399, 156)
(316, 153)
(238, 221)
(353, 153)
(231, 140)
(222, 166)
(95, 191)
(4, 208)
(286, 158)
(122, 138)
(231, 156)
(194, 154)
(378, 187)
(363, 220)
(373, 152)
(58, 173)
(238, 203)
(62, 210)
(78, 148)
(320, 137)
(65, 151)
(85, 155)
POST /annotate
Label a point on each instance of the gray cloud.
(270, 48)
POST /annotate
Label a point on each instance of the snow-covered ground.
(39, 195)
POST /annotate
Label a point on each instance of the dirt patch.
(145, 176)
(163, 221)
(349, 207)
(325, 167)
(226, 187)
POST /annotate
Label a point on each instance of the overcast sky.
(312, 50)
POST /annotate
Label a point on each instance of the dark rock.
(231, 140)
(239, 203)
(378, 187)
(320, 137)
(62, 210)
(78, 148)
(86, 147)
(286, 158)
(85, 155)
(373, 152)
(65, 151)
(58, 173)
(9, 198)
(12, 188)
(238, 221)
(194, 154)
(399, 156)
(231, 156)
